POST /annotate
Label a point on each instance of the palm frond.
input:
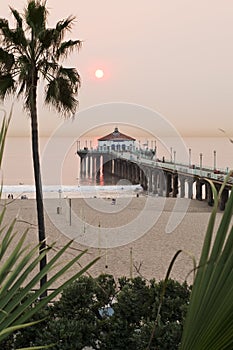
(4, 24)
(24, 78)
(50, 40)
(19, 40)
(3, 133)
(47, 37)
(12, 38)
(21, 263)
(72, 75)
(6, 32)
(57, 34)
(60, 93)
(24, 68)
(48, 69)
(17, 17)
(7, 85)
(36, 15)
(67, 47)
(65, 25)
(6, 60)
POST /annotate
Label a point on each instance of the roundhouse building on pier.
(116, 141)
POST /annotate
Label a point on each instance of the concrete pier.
(157, 178)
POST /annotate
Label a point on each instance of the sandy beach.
(133, 246)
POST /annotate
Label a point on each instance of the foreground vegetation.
(132, 315)
(209, 321)
(103, 314)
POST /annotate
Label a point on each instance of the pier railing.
(210, 173)
(146, 158)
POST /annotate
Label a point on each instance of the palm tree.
(31, 52)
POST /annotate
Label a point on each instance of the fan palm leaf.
(15, 270)
(209, 321)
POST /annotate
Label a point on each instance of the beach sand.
(147, 253)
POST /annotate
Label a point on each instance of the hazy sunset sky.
(175, 57)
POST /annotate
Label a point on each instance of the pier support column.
(93, 165)
(175, 185)
(137, 174)
(110, 165)
(190, 189)
(97, 164)
(155, 182)
(141, 176)
(119, 167)
(88, 164)
(83, 167)
(104, 167)
(124, 170)
(143, 179)
(150, 185)
(223, 199)
(168, 184)
(120, 171)
(161, 183)
(209, 195)
(133, 173)
(198, 190)
(116, 167)
(128, 171)
(182, 186)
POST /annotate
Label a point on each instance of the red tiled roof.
(116, 135)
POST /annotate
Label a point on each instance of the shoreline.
(72, 191)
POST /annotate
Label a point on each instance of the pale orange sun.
(99, 73)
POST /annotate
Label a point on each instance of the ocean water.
(61, 168)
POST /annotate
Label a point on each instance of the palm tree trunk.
(37, 176)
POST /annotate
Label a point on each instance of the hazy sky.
(173, 56)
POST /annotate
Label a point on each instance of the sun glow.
(99, 73)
